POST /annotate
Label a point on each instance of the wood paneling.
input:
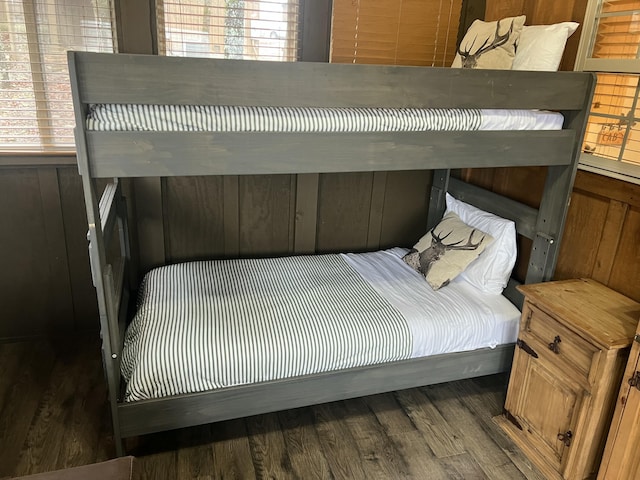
(602, 232)
(625, 271)
(343, 211)
(75, 233)
(406, 204)
(193, 218)
(267, 214)
(149, 221)
(581, 240)
(34, 284)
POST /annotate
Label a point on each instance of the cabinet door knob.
(553, 346)
(565, 438)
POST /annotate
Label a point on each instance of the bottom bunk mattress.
(205, 325)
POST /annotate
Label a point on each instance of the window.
(610, 47)
(37, 112)
(395, 32)
(240, 29)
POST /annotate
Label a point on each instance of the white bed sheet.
(455, 318)
(504, 119)
(220, 118)
(186, 335)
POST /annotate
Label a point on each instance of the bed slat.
(524, 216)
(139, 154)
(148, 416)
(108, 213)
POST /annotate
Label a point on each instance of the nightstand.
(571, 352)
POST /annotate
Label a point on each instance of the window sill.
(610, 168)
(37, 159)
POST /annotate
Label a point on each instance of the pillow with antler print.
(489, 44)
(444, 252)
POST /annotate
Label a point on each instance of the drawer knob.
(565, 438)
(635, 380)
(553, 346)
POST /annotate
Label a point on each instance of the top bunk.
(367, 96)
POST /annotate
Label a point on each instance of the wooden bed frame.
(117, 78)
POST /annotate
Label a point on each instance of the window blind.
(613, 129)
(240, 29)
(37, 112)
(395, 32)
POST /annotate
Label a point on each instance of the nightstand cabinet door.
(544, 404)
(546, 392)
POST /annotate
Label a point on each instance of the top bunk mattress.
(220, 118)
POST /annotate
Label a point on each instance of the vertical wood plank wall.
(602, 235)
(45, 282)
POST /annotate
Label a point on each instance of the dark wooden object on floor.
(574, 341)
(53, 415)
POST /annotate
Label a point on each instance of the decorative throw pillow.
(489, 44)
(489, 273)
(540, 47)
(444, 252)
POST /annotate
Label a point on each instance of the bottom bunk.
(221, 339)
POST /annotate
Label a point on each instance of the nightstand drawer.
(567, 347)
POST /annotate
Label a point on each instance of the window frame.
(588, 161)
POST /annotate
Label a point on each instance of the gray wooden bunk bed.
(155, 80)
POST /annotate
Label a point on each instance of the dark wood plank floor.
(53, 415)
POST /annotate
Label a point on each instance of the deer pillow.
(489, 44)
(444, 252)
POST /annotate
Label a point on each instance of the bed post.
(109, 326)
(437, 203)
(556, 197)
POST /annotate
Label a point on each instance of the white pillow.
(490, 272)
(540, 47)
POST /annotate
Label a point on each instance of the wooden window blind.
(37, 112)
(395, 32)
(612, 51)
(240, 29)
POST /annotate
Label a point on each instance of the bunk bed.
(136, 81)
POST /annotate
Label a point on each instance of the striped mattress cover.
(197, 118)
(206, 325)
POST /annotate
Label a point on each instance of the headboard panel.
(109, 78)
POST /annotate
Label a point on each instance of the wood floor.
(53, 415)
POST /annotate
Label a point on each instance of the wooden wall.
(45, 284)
(270, 215)
(602, 235)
